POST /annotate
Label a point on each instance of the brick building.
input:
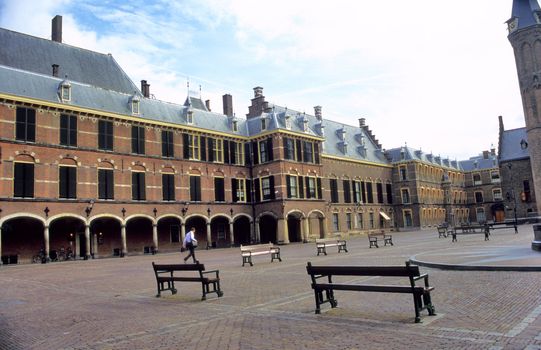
(92, 162)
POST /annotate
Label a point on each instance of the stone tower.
(525, 36)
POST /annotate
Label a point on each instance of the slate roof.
(406, 153)
(510, 148)
(524, 11)
(37, 55)
(479, 163)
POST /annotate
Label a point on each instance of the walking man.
(190, 243)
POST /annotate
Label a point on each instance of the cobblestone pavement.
(111, 303)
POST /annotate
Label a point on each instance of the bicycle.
(40, 257)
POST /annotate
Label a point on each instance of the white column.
(208, 235)
(252, 232)
(231, 233)
(87, 241)
(46, 241)
(306, 222)
(257, 232)
(0, 244)
(182, 232)
(155, 237)
(123, 238)
(95, 245)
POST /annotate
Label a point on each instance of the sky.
(430, 74)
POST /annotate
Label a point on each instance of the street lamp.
(512, 196)
(88, 209)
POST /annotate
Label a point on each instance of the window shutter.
(164, 144)
(211, 142)
(226, 152)
(319, 189)
(72, 182)
(141, 140)
(247, 154)
(142, 186)
(248, 191)
(300, 183)
(299, 150)
(62, 182)
(134, 184)
(269, 148)
(232, 152)
(271, 186)
(307, 183)
(28, 180)
(352, 187)
(73, 131)
(316, 152)
(186, 146)
(347, 193)
(134, 139)
(110, 184)
(102, 182)
(234, 190)
(203, 148)
(219, 195)
(101, 134)
(363, 192)
(63, 129)
(257, 190)
(284, 144)
(288, 186)
(20, 129)
(255, 152)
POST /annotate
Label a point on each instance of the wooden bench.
(374, 238)
(470, 229)
(248, 251)
(166, 278)
(324, 287)
(323, 243)
(442, 231)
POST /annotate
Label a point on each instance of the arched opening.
(267, 229)
(242, 230)
(316, 224)
(169, 234)
(294, 228)
(67, 234)
(105, 237)
(220, 235)
(498, 212)
(139, 235)
(200, 224)
(22, 238)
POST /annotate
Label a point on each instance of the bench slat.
(364, 270)
(368, 288)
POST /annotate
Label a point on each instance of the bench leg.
(418, 306)
(428, 304)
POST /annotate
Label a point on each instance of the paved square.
(111, 303)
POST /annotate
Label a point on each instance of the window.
(357, 192)
(497, 194)
(263, 124)
(67, 182)
(23, 180)
(194, 147)
(495, 177)
(405, 196)
(219, 189)
(379, 192)
(288, 122)
(168, 187)
(195, 188)
(389, 189)
(138, 186)
(292, 186)
(138, 139)
(105, 135)
(289, 148)
(347, 191)
(106, 184)
(311, 188)
(189, 117)
(348, 221)
(235, 126)
(135, 105)
(334, 190)
(167, 143)
(68, 130)
(239, 153)
(478, 197)
(25, 128)
(408, 219)
(308, 148)
(239, 190)
(477, 179)
(369, 193)
(360, 221)
(65, 91)
(403, 173)
(175, 233)
(266, 192)
(371, 218)
(263, 151)
(480, 215)
(218, 150)
(335, 222)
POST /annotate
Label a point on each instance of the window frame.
(218, 150)
(168, 187)
(28, 128)
(25, 191)
(69, 132)
(138, 186)
(194, 147)
(105, 139)
(109, 184)
(67, 182)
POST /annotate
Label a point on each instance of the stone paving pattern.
(111, 303)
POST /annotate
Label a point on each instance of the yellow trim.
(288, 132)
(355, 161)
(244, 193)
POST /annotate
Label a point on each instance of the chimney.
(317, 113)
(493, 151)
(56, 31)
(145, 88)
(258, 91)
(207, 104)
(227, 100)
(362, 122)
(55, 70)
(485, 154)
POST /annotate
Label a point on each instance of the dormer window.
(135, 104)
(288, 122)
(263, 124)
(362, 150)
(305, 124)
(189, 117)
(344, 147)
(235, 126)
(362, 140)
(65, 91)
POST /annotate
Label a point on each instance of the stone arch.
(23, 235)
(169, 231)
(65, 215)
(268, 227)
(134, 216)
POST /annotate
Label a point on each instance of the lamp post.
(512, 196)
(88, 209)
